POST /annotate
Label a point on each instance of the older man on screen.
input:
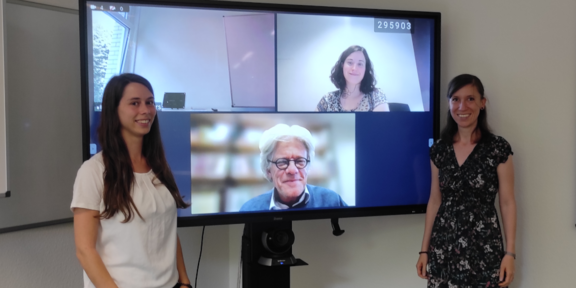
(285, 156)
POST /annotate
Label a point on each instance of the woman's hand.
(421, 266)
(506, 271)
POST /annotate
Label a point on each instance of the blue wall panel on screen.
(175, 130)
(393, 166)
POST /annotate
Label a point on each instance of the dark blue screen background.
(392, 162)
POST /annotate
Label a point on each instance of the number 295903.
(392, 25)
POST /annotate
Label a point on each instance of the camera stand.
(267, 255)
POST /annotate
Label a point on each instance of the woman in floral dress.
(463, 245)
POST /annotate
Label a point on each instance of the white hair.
(283, 133)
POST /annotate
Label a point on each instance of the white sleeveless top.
(139, 253)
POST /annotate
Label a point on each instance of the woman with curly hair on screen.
(353, 75)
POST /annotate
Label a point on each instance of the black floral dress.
(466, 246)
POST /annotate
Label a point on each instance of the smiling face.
(465, 106)
(136, 111)
(354, 68)
(290, 182)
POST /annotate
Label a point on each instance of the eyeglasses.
(283, 163)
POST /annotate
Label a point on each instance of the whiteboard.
(43, 114)
(250, 48)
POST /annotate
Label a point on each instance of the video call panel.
(214, 59)
(225, 157)
(216, 71)
(309, 46)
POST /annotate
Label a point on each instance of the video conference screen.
(222, 78)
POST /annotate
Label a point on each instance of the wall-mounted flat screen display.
(276, 111)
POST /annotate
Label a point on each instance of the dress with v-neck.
(466, 246)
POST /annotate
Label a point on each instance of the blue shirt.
(319, 197)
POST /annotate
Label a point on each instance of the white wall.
(525, 53)
(185, 50)
(162, 63)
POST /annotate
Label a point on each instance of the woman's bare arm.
(431, 211)
(86, 223)
(382, 108)
(508, 210)
(182, 275)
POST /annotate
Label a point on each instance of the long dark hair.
(368, 83)
(482, 129)
(118, 172)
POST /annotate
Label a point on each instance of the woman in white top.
(125, 197)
